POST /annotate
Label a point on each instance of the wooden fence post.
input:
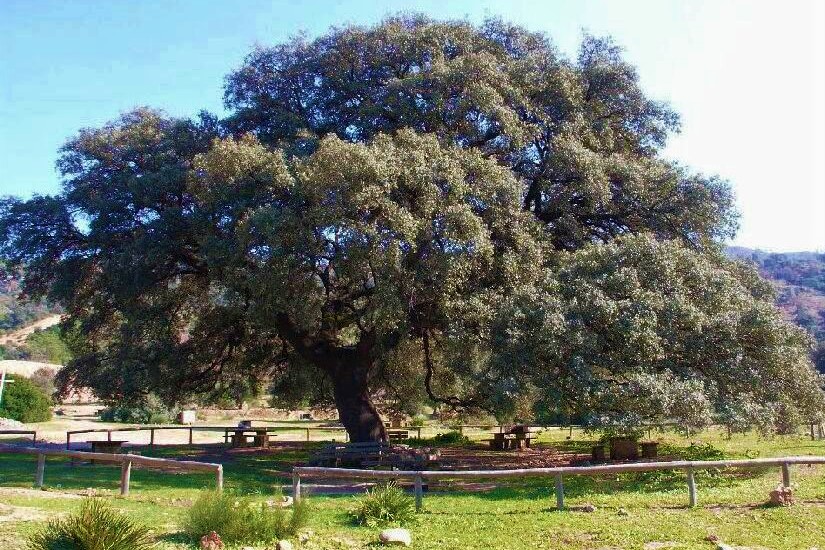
(68, 439)
(296, 487)
(190, 436)
(559, 492)
(34, 439)
(151, 437)
(691, 487)
(125, 476)
(307, 434)
(219, 478)
(419, 493)
(419, 432)
(786, 475)
(109, 435)
(41, 466)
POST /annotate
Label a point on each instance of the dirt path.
(19, 336)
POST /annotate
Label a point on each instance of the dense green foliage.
(385, 504)
(96, 526)
(146, 410)
(239, 520)
(48, 346)
(433, 212)
(25, 401)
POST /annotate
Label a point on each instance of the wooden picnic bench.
(517, 437)
(398, 435)
(111, 447)
(239, 437)
(344, 454)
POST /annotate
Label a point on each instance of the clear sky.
(748, 78)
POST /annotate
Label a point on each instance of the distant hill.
(799, 278)
(16, 314)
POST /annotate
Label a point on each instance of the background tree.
(419, 209)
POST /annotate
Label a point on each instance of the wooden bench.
(337, 454)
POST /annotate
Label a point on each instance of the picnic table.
(239, 437)
(398, 435)
(517, 437)
(111, 447)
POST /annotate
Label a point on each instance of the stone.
(396, 536)
(283, 545)
(781, 496)
(712, 538)
(588, 508)
(622, 512)
(304, 536)
(723, 546)
(212, 541)
(187, 417)
(285, 502)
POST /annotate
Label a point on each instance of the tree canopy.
(418, 210)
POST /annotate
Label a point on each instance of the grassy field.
(644, 511)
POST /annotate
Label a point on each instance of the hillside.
(799, 278)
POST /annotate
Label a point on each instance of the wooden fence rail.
(418, 477)
(192, 429)
(125, 460)
(22, 432)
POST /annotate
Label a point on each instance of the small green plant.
(96, 526)
(241, 520)
(385, 504)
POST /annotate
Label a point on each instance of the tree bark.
(355, 408)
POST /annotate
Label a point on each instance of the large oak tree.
(417, 210)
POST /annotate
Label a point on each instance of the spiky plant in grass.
(95, 526)
(385, 504)
(240, 520)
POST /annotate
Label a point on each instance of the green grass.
(631, 510)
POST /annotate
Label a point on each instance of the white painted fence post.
(691, 487)
(41, 466)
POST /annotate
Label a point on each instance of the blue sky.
(748, 78)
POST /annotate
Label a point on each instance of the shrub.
(96, 526)
(25, 402)
(149, 410)
(385, 504)
(450, 438)
(240, 520)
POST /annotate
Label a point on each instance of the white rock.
(283, 545)
(395, 536)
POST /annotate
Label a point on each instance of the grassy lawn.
(631, 510)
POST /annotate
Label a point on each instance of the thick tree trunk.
(355, 409)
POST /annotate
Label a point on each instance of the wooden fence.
(125, 460)
(192, 429)
(418, 477)
(32, 433)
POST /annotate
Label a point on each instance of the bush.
(240, 520)
(25, 402)
(96, 526)
(150, 410)
(385, 504)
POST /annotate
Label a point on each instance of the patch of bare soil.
(21, 491)
(21, 513)
(480, 457)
